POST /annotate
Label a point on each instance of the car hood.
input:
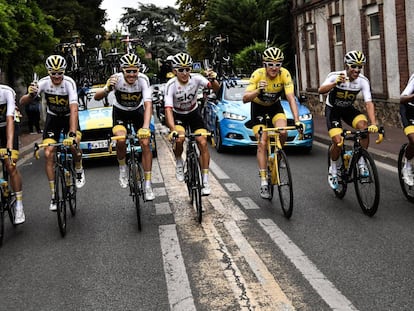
(95, 118)
(301, 109)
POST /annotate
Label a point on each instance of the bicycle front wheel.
(366, 183)
(284, 184)
(12, 207)
(71, 192)
(136, 179)
(1, 223)
(194, 185)
(407, 190)
(60, 199)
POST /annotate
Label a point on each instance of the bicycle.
(192, 171)
(7, 196)
(136, 178)
(65, 181)
(278, 168)
(407, 190)
(367, 187)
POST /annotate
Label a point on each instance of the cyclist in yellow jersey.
(266, 86)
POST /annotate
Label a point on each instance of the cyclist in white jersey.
(60, 94)
(133, 103)
(10, 140)
(181, 105)
(342, 88)
(407, 118)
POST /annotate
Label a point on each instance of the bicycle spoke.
(285, 184)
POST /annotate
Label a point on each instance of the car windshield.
(235, 92)
(92, 103)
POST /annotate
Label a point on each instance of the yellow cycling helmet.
(55, 63)
(182, 60)
(130, 60)
(273, 54)
(354, 58)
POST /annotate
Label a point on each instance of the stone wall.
(387, 113)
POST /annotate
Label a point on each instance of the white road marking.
(228, 209)
(328, 292)
(162, 208)
(178, 285)
(270, 286)
(248, 203)
(218, 172)
(232, 187)
(159, 191)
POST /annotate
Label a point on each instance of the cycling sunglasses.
(56, 73)
(271, 65)
(130, 70)
(184, 69)
(355, 66)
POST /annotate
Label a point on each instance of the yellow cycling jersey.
(275, 87)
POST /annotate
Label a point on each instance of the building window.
(374, 27)
(311, 39)
(338, 33)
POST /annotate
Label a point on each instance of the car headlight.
(305, 117)
(233, 116)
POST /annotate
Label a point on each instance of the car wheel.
(218, 138)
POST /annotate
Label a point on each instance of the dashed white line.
(248, 203)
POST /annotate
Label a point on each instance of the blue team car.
(228, 118)
(95, 121)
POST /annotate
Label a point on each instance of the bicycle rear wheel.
(60, 199)
(367, 188)
(284, 184)
(135, 180)
(342, 181)
(407, 190)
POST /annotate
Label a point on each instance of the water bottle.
(347, 158)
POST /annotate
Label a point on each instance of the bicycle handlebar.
(6, 153)
(44, 145)
(358, 133)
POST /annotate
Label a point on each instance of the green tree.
(158, 29)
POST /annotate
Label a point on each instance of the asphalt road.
(245, 255)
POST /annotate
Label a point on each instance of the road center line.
(328, 292)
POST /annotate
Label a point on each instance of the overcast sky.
(114, 8)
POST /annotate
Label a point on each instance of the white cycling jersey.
(130, 97)
(409, 89)
(7, 103)
(182, 98)
(345, 94)
(58, 97)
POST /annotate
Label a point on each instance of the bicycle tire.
(367, 188)
(11, 209)
(408, 191)
(1, 223)
(60, 199)
(135, 186)
(342, 179)
(71, 191)
(198, 184)
(284, 184)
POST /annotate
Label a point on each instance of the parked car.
(228, 118)
(95, 121)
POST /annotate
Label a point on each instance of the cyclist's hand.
(143, 133)
(211, 75)
(373, 128)
(111, 83)
(32, 90)
(68, 141)
(262, 85)
(300, 126)
(340, 79)
(172, 135)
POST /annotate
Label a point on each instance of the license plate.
(98, 144)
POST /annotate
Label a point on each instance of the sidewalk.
(386, 151)
(26, 144)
